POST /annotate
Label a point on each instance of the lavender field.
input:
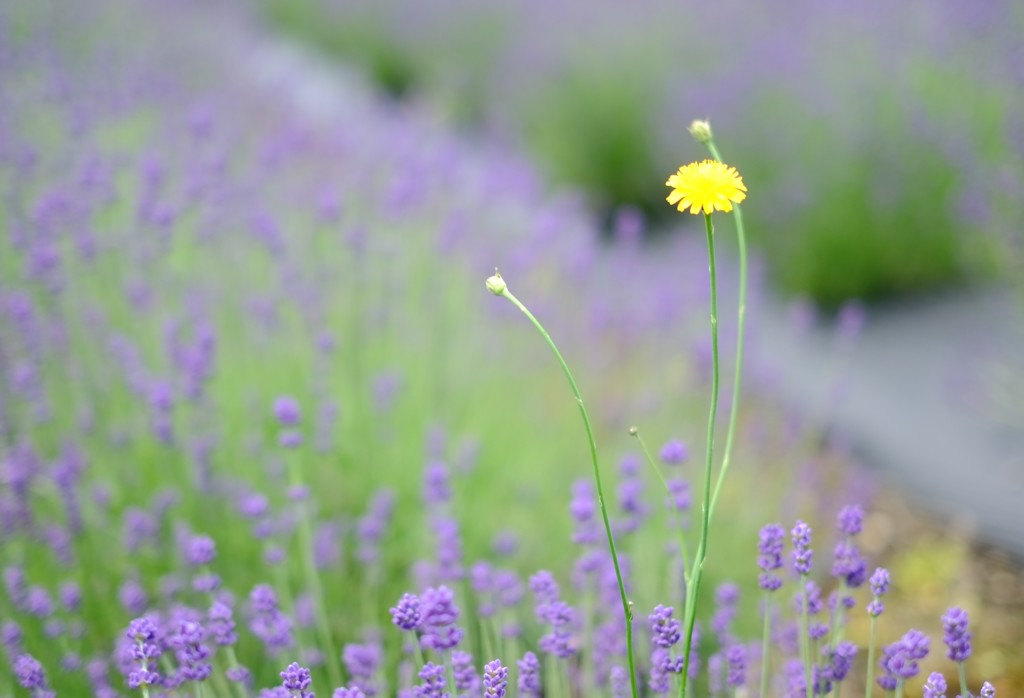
(264, 432)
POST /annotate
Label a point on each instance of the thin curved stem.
(627, 610)
(697, 568)
(741, 245)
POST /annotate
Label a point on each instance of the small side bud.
(496, 284)
(701, 131)
(633, 431)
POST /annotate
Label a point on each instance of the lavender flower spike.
(770, 544)
(879, 586)
(296, 680)
(664, 628)
(406, 613)
(529, 676)
(956, 635)
(146, 651)
(802, 554)
(30, 674)
(935, 686)
(495, 679)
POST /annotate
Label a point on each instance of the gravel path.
(933, 394)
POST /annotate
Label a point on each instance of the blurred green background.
(885, 140)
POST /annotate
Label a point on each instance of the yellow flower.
(707, 185)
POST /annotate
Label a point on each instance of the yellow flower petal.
(705, 186)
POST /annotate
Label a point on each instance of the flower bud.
(701, 131)
(496, 284)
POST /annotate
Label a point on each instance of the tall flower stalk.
(497, 286)
(710, 186)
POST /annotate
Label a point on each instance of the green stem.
(805, 640)
(871, 659)
(962, 675)
(899, 689)
(741, 245)
(627, 610)
(765, 644)
(697, 568)
(449, 672)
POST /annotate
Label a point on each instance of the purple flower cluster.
(802, 554)
(556, 614)
(956, 635)
(267, 622)
(145, 650)
(899, 660)
(438, 619)
(495, 680)
(770, 546)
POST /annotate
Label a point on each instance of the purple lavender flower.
(10, 637)
(935, 686)
(674, 452)
(370, 528)
(362, 662)
(848, 564)
(529, 676)
(438, 619)
(239, 674)
(406, 613)
(850, 520)
(267, 623)
(433, 684)
(664, 628)
(545, 590)
(618, 677)
(145, 650)
(222, 624)
(879, 586)
(14, 581)
(70, 596)
(133, 597)
(726, 597)
(582, 507)
(29, 674)
(802, 553)
(436, 486)
(287, 411)
(344, 692)
(678, 495)
(193, 656)
(464, 674)
(290, 438)
(632, 500)
(956, 635)
(495, 679)
(296, 679)
(988, 690)
(200, 550)
(900, 660)
(38, 602)
(736, 660)
(449, 549)
(770, 544)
